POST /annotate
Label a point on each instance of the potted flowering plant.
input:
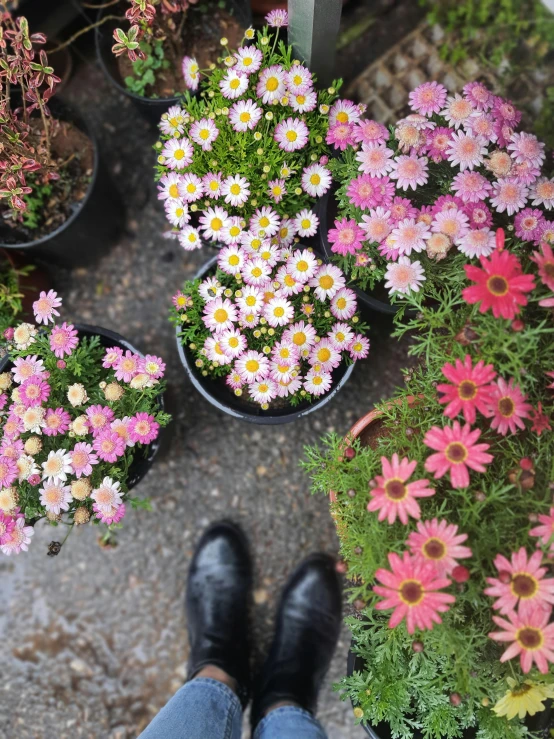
(245, 158)
(415, 202)
(146, 60)
(53, 192)
(443, 504)
(80, 415)
(268, 335)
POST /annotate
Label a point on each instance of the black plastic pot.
(327, 210)
(140, 464)
(540, 722)
(220, 396)
(150, 108)
(96, 221)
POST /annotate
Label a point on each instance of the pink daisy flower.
(500, 285)
(545, 261)
(127, 366)
(404, 276)
(509, 196)
(528, 224)
(112, 356)
(479, 215)
(478, 243)
(466, 151)
(346, 237)
(508, 407)
(428, 98)
(375, 159)
(57, 421)
(410, 236)
(63, 340)
(340, 136)
(471, 187)
(526, 148)
(457, 110)
(479, 95)
(99, 418)
(546, 232)
(522, 581)
(402, 208)
(12, 448)
(470, 390)
(109, 445)
(325, 355)
(452, 222)
(532, 637)
(291, 134)
(359, 347)
(143, 428)
(483, 127)
(153, 366)
(114, 515)
(546, 529)
(13, 426)
(439, 543)
(344, 304)
(121, 427)
(277, 18)
(107, 495)
(377, 225)
(18, 539)
(34, 391)
(8, 471)
(45, 307)
(411, 589)
(7, 525)
(55, 497)
(410, 171)
(234, 381)
(392, 497)
(456, 450)
(25, 367)
(364, 192)
(542, 193)
(370, 132)
(82, 459)
(437, 143)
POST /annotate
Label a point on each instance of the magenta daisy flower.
(34, 391)
(63, 340)
(532, 637)
(402, 208)
(479, 215)
(82, 459)
(479, 95)
(470, 391)
(521, 581)
(45, 307)
(528, 224)
(365, 192)
(8, 471)
(128, 365)
(109, 445)
(393, 496)
(346, 237)
(99, 418)
(526, 148)
(114, 515)
(483, 127)
(509, 196)
(370, 132)
(439, 543)
(471, 186)
(412, 590)
(508, 407)
(112, 356)
(57, 421)
(7, 525)
(277, 18)
(18, 539)
(428, 98)
(340, 136)
(437, 142)
(456, 451)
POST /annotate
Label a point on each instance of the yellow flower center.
(292, 136)
(245, 116)
(342, 117)
(178, 154)
(235, 189)
(272, 84)
(216, 224)
(252, 365)
(326, 282)
(221, 315)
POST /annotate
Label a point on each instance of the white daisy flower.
(251, 242)
(173, 121)
(304, 102)
(404, 276)
(306, 223)
(301, 335)
(265, 222)
(299, 79)
(302, 265)
(204, 132)
(191, 72)
(232, 232)
(341, 336)
(189, 238)
(230, 260)
(233, 85)
(33, 419)
(249, 59)
(263, 391)
(317, 383)
(57, 466)
(289, 285)
(244, 115)
(177, 213)
(212, 221)
(26, 466)
(170, 187)
(271, 84)
(252, 366)
(316, 180)
(107, 496)
(211, 183)
(343, 111)
(24, 335)
(192, 187)
(327, 281)
(210, 288)
(278, 312)
(344, 304)
(287, 232)
(219, 314)
(457, 110)
(251, 300)
(291, 134)
(233, 342)
(270, 253)
(256, 272)
(178, 153)
(235, 190)
(214, 351)
(325, 355)
(478, 243)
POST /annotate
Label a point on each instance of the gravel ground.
(95, 640)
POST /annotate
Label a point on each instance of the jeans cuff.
(221, 687)
(275, 715)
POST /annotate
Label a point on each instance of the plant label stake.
(314, 35)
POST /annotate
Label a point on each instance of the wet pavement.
(94, 641)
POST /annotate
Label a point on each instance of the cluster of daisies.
(73, 416)
(249, 147)
(274, 322)
(435, 185)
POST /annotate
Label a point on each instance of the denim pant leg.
(202, 709)
(289, 722)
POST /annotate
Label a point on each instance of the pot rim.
(75, 118)
(263, 417)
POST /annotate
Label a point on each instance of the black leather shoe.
(217, 601)
(306, 634)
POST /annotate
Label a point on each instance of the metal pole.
(313, 30)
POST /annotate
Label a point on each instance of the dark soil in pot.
(81, 215)
(218, 394)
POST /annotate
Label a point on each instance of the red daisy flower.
(508, 407)
(545, 260)
(470, 392)
(500, 285)
(540, 420)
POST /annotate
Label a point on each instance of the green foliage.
(403, 687)
(33, 216)
(145, 70)
(10, 293)
(494, 30)
(544, 124)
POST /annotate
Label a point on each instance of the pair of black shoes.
(307, 625)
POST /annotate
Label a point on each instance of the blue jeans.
(207, 709)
